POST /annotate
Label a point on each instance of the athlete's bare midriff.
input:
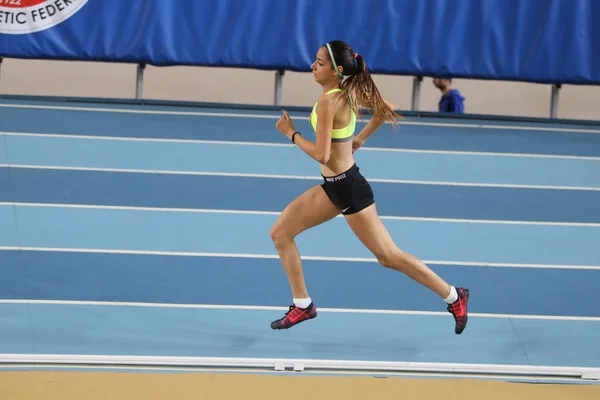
(340, 159)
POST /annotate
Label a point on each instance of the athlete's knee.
(280, 235)
(387, 261)
(393, 258)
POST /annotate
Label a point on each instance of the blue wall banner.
(546, 41)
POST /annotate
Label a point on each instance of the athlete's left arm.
(372, 126)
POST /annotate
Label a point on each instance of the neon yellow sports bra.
(337, 135)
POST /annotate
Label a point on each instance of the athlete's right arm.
(320, 150)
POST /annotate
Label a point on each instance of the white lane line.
(275, 213)
(275, 256)
(297, 117)
(270, 144)
(297, 177)
(282, 308)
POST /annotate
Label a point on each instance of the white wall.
(61, 78)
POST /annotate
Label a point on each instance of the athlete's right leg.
(311, 208)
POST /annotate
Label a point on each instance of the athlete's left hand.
(285, 125)
(357, 143)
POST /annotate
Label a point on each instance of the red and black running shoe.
(459, 310)
(294, 316)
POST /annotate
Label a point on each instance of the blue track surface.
(223, 280)
(174, 206)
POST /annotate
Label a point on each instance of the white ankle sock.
(302, 303)
(452, 297)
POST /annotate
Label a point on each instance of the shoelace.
(455, 307)
(290, 310)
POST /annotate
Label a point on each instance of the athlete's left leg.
(371, 231)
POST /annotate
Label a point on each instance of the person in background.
(451, 101)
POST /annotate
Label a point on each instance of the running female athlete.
(347, 85)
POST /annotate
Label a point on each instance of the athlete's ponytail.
(358, 82)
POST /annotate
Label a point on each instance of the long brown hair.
(359, 84)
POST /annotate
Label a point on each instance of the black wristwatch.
(294, 134)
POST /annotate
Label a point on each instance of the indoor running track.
(129, 231)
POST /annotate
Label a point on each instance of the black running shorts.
(349, 191)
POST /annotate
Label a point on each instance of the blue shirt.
(452, 102)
